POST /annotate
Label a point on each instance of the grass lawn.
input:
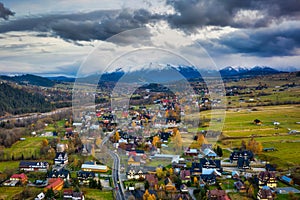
(238, 196)
(97, 194)
(227, 184)
(28, 147)
(159, 161)
(9, 165)
(286, 156)
(286, 196)
(7, 193)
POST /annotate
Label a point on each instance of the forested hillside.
(29, 79)
(18, 101)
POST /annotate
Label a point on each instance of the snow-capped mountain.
(242, 71)
(166, 73)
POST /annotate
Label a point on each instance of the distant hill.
(29, 79)
(61, 79)
(19, 101)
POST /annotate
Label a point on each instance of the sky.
(52, 38)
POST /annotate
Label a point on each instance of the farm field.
(239, 126)
(30, 146)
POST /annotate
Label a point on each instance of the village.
(149, 151)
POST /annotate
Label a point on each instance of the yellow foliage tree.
(160, 173)
(155, 140)
(201, 139)
(171, 171)
(254, 146)
(178, 142)
(146, 195)
(117, 136)
(195, 180)
(45, 143)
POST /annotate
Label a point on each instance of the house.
(267, 178)
(61, 158)
(206, 146)
(135, 174)
(217, 195)
(235, 175)
(165, 136)
(270, 168)
(191, 152)
(268, 149)
(169, 185)
(240, 186)
(55, 183)
(209, 179)
(196, 169)
(287, 180)
(265, 193)
(211, 164)
(134, 161)
(33, 166)
(84, 177)
(184, 188)
(152, 180)
(71, 194)
(92, 167)
(234, 156)
(209, 153)
(257, 122)
(20, 177)
(181, 164)
(243, 163)
(185, 175)
(40, 196)
(62, 173)
(211, 171)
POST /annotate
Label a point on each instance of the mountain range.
(166, 74)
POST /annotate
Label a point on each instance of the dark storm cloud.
(5, 12)
(191, 14)
(267, 42)
(98, 25)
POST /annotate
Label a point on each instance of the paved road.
(119, 188)
(116, 176)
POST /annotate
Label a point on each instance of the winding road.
(119, 188)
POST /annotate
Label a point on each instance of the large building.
(33, 166)
(92, 167)
(61, 158)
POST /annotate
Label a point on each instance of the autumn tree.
(160, 173)
(146, 195)
(45, 143)
(177, 142)
(116, 136)
(155, 140)
(254, 146)
(195, 180)
(250, 191)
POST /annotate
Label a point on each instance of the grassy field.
(30, 146)
(240, 122)
(97, 194)
(9, 165)
(8, 193)
(239, 126)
